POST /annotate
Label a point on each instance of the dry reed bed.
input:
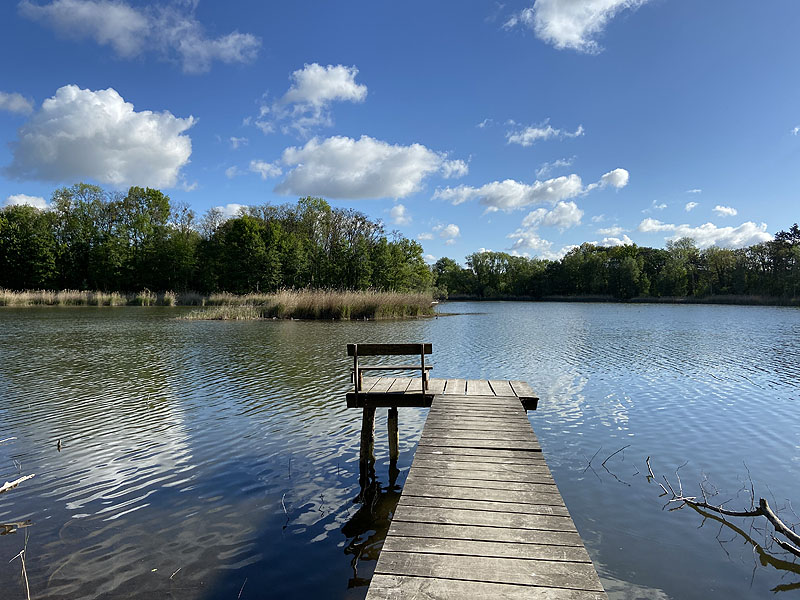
(96, 298)
(319, 304)
(285, 304)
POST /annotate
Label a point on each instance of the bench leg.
(394, 435)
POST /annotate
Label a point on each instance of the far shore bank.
(720, 299)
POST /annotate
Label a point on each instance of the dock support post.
(367, 456)
(394, 435)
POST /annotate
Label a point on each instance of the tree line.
(680, 270)
(91, 239)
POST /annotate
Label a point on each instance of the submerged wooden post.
(394, 435)
(367, 455)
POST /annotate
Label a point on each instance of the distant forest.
(91, 239)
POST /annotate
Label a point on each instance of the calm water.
(210, 460)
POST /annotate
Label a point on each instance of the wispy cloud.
(307, 103)
(725, 211)
(169, 29)
(15, 103)
(691, 206)
(527, 136)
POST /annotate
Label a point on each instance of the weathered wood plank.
(393, 587)
(455, 387)
(453, 516)
(479, 387)
(522, 389)
(501, 387)
(474, 475)
(531, 509)
(388, 349)
(486, 534)
(382, 384)
(548, 496)
(455, 442)
(438, 462)
(426, 545)
(436, 386)
(510, 436)
(400, 385)
(489, 485)
(528, 458)
(580, 576)
(482, 452)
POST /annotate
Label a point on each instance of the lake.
(206, 460)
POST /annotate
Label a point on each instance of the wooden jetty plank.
(479, 387)
(486, 534)
(436, 386)
(522, 389)
(439, 462)
(400, 385)
(480, 508)
(382, 384)
(533, 509)
(455, 387)
(546, 496)
(455, 442)
(393, 587)
(428, 545)
(473, 475)
(501, 387)
(444, 516)
(580, 576)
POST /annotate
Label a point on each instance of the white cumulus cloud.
(80, 134)
(307, 102)
(169, 29)
(265, 169)
(615, 241)
(510, 194)
(528, 136)
(399, 215)
(15, 103)
(24, 199)
(563, 215)
(613, 230)
(725, 211)
(708, 234)
(342, 167)
(571, 24)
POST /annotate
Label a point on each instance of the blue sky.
(525, 127)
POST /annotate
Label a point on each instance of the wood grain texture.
(480, 515)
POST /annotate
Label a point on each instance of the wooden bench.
(360, 350)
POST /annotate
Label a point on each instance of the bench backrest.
(388, 349)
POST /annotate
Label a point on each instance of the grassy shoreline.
(284, 304)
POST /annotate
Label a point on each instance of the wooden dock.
(480, 515)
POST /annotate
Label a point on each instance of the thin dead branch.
(9, 485)
(762, 510)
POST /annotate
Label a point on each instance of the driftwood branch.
(10, 485)
(762, 510)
